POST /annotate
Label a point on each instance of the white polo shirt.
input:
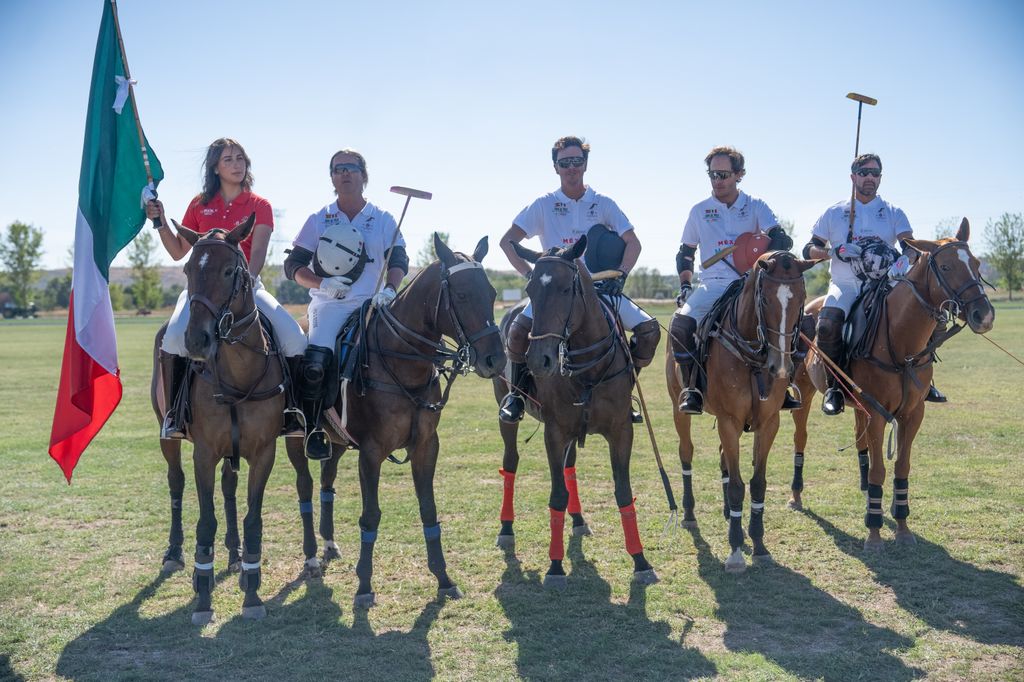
(714, 226)
(877, 218)
(378, 229)
(560, 221)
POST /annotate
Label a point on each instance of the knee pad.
(313, 377)
(684, 344)
(644, 343)
(830, 324)
(518, 341)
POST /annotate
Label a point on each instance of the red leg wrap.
(574, 492)
(508, 495)
(629, 529)
(557, 550)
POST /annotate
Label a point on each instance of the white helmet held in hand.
(340, 252)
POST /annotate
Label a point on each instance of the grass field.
(81, 595)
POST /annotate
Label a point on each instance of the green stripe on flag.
(113, 175)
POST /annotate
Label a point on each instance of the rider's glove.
(336, 287)
(384, 297)
(847, 252)
(685, 289)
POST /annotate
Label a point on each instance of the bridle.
(950, 307)
(241, 284)
(755, 353)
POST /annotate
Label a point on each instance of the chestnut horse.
(749, 362)
(943, 284)
(237, 399)
(402, 402)
(583, 375)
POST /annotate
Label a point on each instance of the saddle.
(861, 325)
(713, 320)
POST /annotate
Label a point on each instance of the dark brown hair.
(569, 141)
(211, 181)
(736, 159)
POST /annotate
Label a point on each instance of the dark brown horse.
(944, 284)
(402, 403)
(583, 376)
(236, 404)
(749, 363)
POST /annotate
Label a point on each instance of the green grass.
(81, 596)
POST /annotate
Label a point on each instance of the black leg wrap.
(327, 513)
(577, 519)
(202, 578)
(308, 538)
(177, 535)
(862, 459)
(736, 532)
(506, 528)
(249, 578)
(364, 567)
(798, 472)
(725, 494)
(688, 500)
(873, 517)
(756, 526)
(435, 556)
(556, 568)
(900, 498)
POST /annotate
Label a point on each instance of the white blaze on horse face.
(545, 279)
(204, 260)
(784, 293)
(966, 258)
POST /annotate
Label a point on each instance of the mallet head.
(410, 192)
(862, 98)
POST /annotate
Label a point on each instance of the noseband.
(953, 304)
(240, 284)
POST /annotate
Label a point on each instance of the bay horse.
(749, 362)
(236, 398)
(583, 376)
(401, 403)
(943, 284)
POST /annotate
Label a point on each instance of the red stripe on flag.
(86, 397)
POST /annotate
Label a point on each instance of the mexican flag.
(110, 214)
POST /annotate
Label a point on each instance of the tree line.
(21, 253)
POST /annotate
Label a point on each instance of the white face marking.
(203, 260)
(965, 257)
(545, 279)
(784, 293)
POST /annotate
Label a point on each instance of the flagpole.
(131, 95)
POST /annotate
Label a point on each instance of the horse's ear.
(443, 252)
(576, 250)
(189, 236)
(239, 233)
(964, 233)
(921, 245)
(481, 250)
(805, 265)
(526, 254)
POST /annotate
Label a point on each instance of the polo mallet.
(867, 397)
(861, 100)
(718, 256)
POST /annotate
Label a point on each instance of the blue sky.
(465, 98)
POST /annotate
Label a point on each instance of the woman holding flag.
(226, 200)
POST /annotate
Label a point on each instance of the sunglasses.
(720, 175)
(873, 172)
(347, 168)
(571, 161)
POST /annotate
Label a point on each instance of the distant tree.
(1005, 238)
(171, 294)
(146, 291)
(647, 283)
(787, 225)
(947, 227)
(21, 250)
(291, 292)
(427, 255)
(271, 275)
(816, 280)
(57, 293)
(119, 298)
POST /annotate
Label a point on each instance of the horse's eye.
(461, 297)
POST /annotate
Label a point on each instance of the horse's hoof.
(452, 592)
(873, 545)
(736, 563)
(506, 541)
(172, 566)
(765, 559)
(648, 577)
(365, 601)
(581, 530)
(905, 538)
(331, 552)
(202, 617)
(690, 524)
(254, 612)
(795, 505)
(312, 569)
(555, 582)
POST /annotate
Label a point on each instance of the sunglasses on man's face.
(873, 172)
(571, 161)
(346, 168)
(720, 175)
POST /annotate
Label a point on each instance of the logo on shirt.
(881, 213)
(561, 208)
(209, 211)
(742, 213)
(592, 212)
(711, 215)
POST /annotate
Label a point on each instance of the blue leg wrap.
(305, 507)
(432, 532)
(369, 536)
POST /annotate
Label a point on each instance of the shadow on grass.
(303, 638)
(979, 604)
(580, 633)
(777, 613)
(7, 670)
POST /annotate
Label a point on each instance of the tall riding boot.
(513, 405)
(172, 371)
(800, 349)
(684, 348)
(294, 419)
(312, 387)
(830, 341)
(935, 395)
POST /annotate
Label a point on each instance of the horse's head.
(469, 297)
(778, 280)
(556, 290)
(219, 287)
(952, 279)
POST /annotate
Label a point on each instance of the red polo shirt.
(216, 214)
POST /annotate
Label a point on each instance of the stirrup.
(170, 430)
(934, 395)
(317, 445)
(792, 402)
(691, 401)
(512, 408)
(833, 402)
(294, 423)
